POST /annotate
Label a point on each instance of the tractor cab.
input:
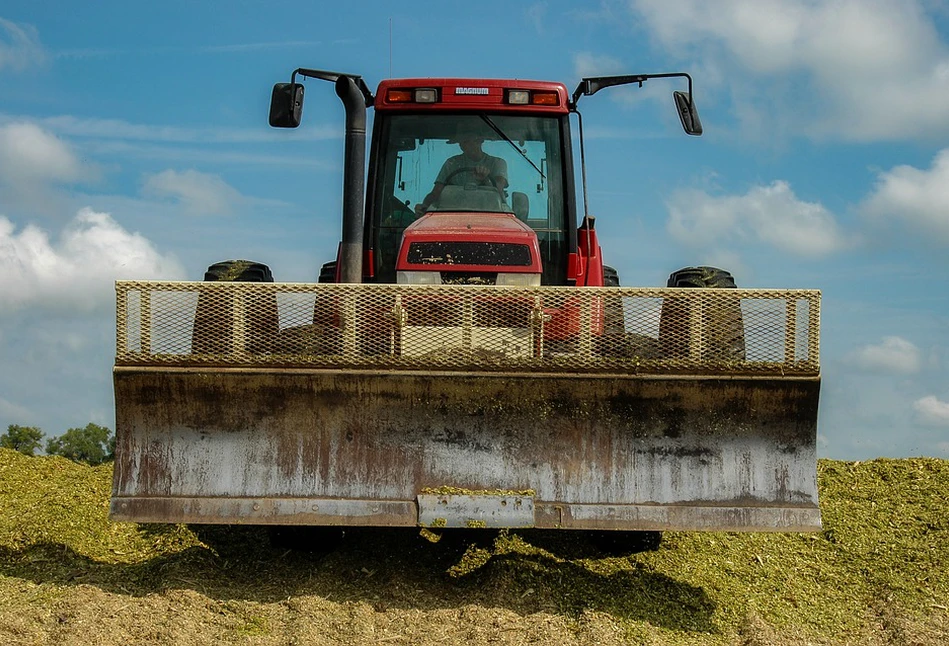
(514, 172)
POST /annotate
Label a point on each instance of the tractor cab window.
(470, 162)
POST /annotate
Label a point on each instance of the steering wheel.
(491, 181)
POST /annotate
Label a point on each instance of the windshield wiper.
(503, 136)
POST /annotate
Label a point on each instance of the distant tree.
(93, 444)
(25, 439)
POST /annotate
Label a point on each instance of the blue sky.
(134, 144)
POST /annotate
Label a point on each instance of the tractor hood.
(476, 242)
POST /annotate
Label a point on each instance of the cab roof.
(472, 94)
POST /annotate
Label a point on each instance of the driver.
(472, 166)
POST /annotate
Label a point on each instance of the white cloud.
(871, 69)
(112, 129)
(76, 272)
(536, 14)
(32, 150)
(932, 411)
(919, 198)
(196, 192)
(588, 64)
(20, 46)
(12, 411)
(892, 355)
(31, 155)
(770, 214)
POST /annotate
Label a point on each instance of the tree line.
(92, 444)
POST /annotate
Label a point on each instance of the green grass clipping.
(877, 573)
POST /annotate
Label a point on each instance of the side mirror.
(286, 105)
(688, 115)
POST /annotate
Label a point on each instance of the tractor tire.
(214, 316)
(239, 271)
(701, 277)
(610, 277)
(325, 307)
(328, 272)
(321, 337)
(613, 324)
(616, 341)
(724, 338)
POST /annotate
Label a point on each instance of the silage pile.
(878, 573)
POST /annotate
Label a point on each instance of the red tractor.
(467, 360)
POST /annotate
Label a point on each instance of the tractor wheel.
(723, 330)
(325, 307)
(328, 273)
(613, 324)
(616, 341)
(701, 277)
(610, 277)
(239, 270)
(214, 317)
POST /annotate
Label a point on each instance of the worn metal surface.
(610, 451)
(264, 510)
(406, 513)
(461, 510)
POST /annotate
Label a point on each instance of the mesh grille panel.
(469, 253)
(444, 327)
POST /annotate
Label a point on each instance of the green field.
(877, 574)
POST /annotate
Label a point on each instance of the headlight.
(418, 278)
(519, 280)
(426, 95)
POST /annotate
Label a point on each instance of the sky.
(134, 144)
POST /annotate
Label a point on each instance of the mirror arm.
(332, 77)
(591, 85)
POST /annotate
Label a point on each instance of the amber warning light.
(526, 97)
(412, 95)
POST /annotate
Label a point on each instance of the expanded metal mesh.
(442, 327)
